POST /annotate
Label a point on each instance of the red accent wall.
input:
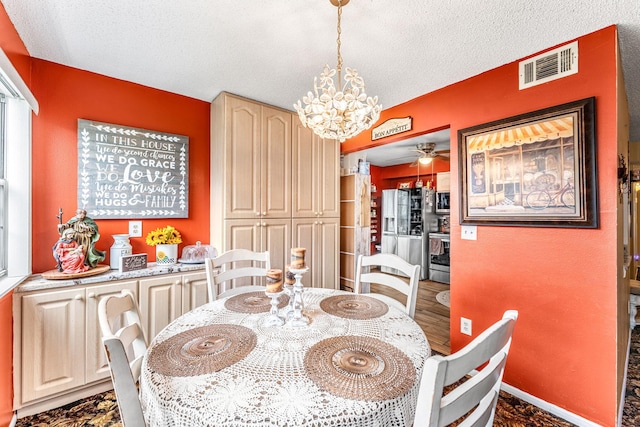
(66, 94)
(563, 281)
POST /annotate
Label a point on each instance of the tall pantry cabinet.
(266, 170)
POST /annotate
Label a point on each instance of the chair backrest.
(226, 271)
(489, 350)
(125, 345)
(365, 276)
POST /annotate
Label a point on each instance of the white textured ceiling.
(271, 50)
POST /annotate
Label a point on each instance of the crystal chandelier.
(338, 113)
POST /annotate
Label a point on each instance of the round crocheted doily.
(254, 302)
(202, 350)
(354, 306)
(362, 368)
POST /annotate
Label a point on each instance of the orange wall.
(67, 94)
(16, 51)
(562, 281)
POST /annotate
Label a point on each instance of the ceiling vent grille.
(552, 65)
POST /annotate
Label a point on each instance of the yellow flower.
(167, 235)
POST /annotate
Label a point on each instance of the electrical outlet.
(465, 326)
(135, 228)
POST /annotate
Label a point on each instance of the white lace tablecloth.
(270, 386)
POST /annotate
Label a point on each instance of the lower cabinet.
(58, 352)
(273, 235)
(164, 298)
(320, 236)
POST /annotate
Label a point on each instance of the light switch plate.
(469, 232)
(135, 228)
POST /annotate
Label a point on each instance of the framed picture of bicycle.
(537, 169)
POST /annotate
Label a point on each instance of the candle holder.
(295, 317)
(273, 319)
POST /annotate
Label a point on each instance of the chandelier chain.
(339, 66)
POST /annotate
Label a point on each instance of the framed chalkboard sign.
(126, 172)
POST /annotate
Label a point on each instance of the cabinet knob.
(257, 224)
(264, 213)
(264, 224)
(78, 297)
(178, 282)
(321, 223)
(91, 295)
(320, 213)
(315, 222)
(257, 213)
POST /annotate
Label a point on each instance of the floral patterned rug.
(101, 410)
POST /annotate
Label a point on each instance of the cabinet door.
(242, 158)
(97, 366)
(276, 238)
(328, 178)
(326, 257)
(303, 182)
(160, 301)
(316, 174)
(275, 152)
(194, 290)
(53, 334)
(320, 236)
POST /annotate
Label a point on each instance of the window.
(3, 188)
(15, 176)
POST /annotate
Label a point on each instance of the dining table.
(356, 361)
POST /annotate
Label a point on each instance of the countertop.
(37, 283)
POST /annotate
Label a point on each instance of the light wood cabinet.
(266, 171)
(53, 336)
(97, 366)
(273, 235)
(163, 298)
(355, 225)
(194, 290)
(58, 351)
(250, 159)
(443, 182)
(61, 344)
(316, 174)
(320, 236)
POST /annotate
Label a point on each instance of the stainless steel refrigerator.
(408, 216)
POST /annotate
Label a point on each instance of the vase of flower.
(166, 241)
(166, 253)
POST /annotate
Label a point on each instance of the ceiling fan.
(427, 152)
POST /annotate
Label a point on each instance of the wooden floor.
(432, 316)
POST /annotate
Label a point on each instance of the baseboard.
(553, 409)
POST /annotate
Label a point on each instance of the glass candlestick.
(273, 319)
(296, 317)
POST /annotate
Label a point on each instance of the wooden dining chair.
(125, 346)
(479, 391)
(364, 277)
(235, 272)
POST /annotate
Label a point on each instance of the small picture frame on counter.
(133, 262)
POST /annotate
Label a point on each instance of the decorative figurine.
(86, 235)
(69, 254)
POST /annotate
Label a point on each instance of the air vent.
(552, 65)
